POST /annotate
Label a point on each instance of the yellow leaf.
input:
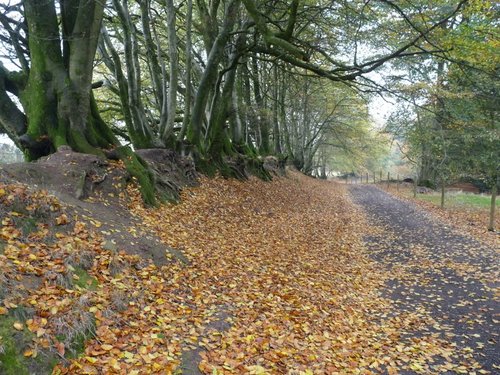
(96, 223)
(107, 347)
(19, 326)
(3, 311)
(40, 332)
(128, 355)
(257, 370)
(114, 363)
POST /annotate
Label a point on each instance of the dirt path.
(437, 272)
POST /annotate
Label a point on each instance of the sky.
(380, 109)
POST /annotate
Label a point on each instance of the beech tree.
(208, 78)
(55, 47)
(55, 84)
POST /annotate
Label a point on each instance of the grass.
(83, 279)
(12, 361)
(13, 343)
(459, 200)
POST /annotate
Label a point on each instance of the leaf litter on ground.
(284, 260)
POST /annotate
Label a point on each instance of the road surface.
(448, 278)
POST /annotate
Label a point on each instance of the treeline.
(213, 79)
(450, 118)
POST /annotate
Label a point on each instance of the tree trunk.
(57, 99)
(13, 122)
(235, 119)
(276, 125)
(187, 80)
(494, 191)
(151, 53)
(415, 185)
(141, 134)
(112, 60)
(442, 193)
(210, 74)
(168, 129)
(262, 115)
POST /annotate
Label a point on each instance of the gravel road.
(447, 277)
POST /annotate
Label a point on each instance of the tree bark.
(142, 135)
(210, 74)
(263, 121)
(493, 207)
(187, 80)
(276, 125)
(151, 53)
(167, 131)
(442, 193)
(13, 122)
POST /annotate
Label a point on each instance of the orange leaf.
(62, 220)
(60, 348)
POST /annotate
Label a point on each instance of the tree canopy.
(239, 78)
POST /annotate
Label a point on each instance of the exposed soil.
(94, 190)
(464, 186)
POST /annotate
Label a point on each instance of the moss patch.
(28, 225)
(139, 169)
(82, 279)
(206, 167)
(256, 168)
(12, 344)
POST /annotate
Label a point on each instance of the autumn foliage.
(278, 282)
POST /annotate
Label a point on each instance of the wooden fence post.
(397, 183)
(388, 179)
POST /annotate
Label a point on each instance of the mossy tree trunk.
(56, 89)
(218, 134)
(57, 98)
(209, 78)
